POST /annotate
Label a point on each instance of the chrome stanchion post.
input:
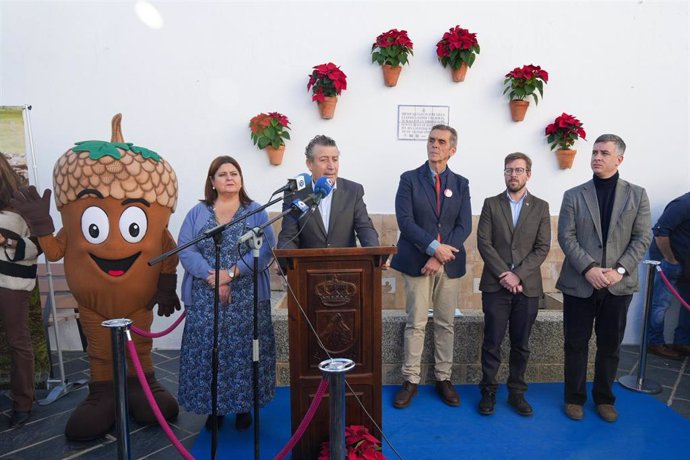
(640, 383)
(119, 329)
(334, 370)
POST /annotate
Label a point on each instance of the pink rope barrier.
(305, 421)
(152, 402)
(155, 335)
(671, 288)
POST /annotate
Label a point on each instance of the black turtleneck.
(606, 192)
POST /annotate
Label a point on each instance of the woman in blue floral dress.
(225, 199)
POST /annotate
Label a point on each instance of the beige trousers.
(424, 292)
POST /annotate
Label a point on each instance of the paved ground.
(42, 438)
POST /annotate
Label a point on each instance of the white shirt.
(325, 206)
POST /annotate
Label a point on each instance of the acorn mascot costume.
(115, 199)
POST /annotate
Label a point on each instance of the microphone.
(322, 188)
(294, 184)
(299, 208)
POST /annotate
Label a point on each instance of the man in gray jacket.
(603, 229)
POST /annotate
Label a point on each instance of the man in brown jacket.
(513, 237)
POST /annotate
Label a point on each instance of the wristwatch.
(231, 273)
(621, 271)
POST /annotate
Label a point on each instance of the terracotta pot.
(391, 74)
(327, 107)
(275, 156)
(565, 158)
(459, 74)
(518, 109)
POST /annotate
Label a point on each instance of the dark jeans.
(517, 313)
(608, 313)
(14, 314)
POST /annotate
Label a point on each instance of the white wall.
(188, 89)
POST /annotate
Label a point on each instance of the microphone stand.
(217, 234)
(254, 239)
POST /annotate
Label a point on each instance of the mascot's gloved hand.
(166, 296)
(35, 209)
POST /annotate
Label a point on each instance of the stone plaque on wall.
(415, 121)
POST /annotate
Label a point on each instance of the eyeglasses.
(517, 171)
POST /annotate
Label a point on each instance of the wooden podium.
(339, 290)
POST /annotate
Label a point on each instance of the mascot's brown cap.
(116, 169)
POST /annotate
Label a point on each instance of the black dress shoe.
(447, 392)
(19, 418)
(209, 421)
(404, 396)
(487, 404)
(243, 421)
(520, 404)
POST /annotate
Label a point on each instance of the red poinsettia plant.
(269, 129)
(564, 131)
(524, 81)
(326, 80)
(360, 445)
(458, 45)
(392, 48)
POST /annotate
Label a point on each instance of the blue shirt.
(516, 207)
(674, 223)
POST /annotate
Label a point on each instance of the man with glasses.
(603, 229)
(513, 238)
(432, 207)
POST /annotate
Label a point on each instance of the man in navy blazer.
(340, 217)
(604, 231)
(432, 207)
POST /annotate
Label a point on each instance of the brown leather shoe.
(574, 411)
(608, 412)
(448, 393)
(664, 351)
(683, 350)
(404, 396)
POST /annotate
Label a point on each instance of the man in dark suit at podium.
(340, 217)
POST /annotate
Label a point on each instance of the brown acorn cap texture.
(116, 170)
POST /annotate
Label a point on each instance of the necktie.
(437, 186)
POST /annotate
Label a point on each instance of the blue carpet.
(429, 429)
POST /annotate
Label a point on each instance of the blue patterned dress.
(235, 332)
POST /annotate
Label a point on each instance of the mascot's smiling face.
(110, 241)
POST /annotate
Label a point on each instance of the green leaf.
(536, 100)
(269, 132)
(285, 135)
(146, 153)
(263, 142)
(99, 149)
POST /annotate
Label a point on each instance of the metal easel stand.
(62, 386)
(640, 383)
(334, 370)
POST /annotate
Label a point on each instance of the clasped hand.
(601, 278)
(224, 291)
(511, 282)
